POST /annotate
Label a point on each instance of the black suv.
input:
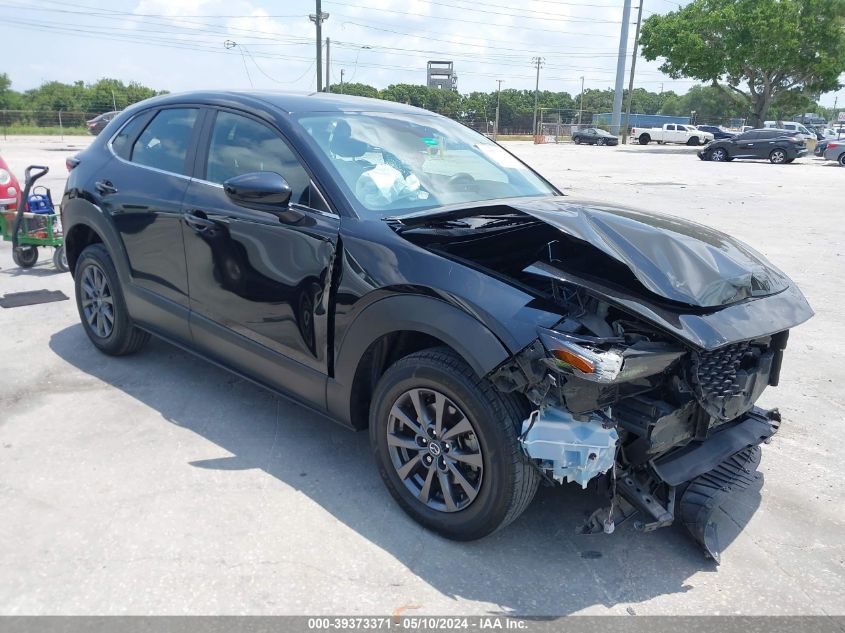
(397, 271)
(779, 146)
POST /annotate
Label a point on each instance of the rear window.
(165, 141)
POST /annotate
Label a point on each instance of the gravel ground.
(159, 484)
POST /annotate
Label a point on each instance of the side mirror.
(261, 190)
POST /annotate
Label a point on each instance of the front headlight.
(583, 357)
(572, 355)
(5, 177)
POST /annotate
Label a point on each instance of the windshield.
(394, 164)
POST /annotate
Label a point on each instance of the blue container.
(40, 203)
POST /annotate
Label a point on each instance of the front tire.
(719, 155)
(446, 446)
(102, 308)
(841, 160)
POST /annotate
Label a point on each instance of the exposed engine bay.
(647, 385)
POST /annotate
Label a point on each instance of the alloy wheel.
(97, 301)
(435, 450)
(778, 156)
(718, 155)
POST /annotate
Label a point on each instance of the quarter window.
(165, 141)
(121, 142)
(240, 145)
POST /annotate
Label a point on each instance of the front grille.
(724, 380)
(715, 371)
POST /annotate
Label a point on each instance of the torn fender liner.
(677, 259)
(700, 503)
(696, 458)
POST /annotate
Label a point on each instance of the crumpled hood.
(674, 258)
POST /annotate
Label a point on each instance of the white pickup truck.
(671, 133)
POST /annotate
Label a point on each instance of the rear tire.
(102, 308)
(693, 140)
(577, 140)
(60, 259)
(600, 142)
(25, 256)
(777, 156)
(644, 139)
(841, 159)
(498, 483)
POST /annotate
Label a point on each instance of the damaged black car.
(401, 273)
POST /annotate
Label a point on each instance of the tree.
(773, 47)
(356, 89)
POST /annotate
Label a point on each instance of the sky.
(180, 45)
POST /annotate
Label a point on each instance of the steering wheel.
(462, 181)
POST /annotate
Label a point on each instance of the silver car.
(835, 151)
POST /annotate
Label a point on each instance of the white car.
(671, 133)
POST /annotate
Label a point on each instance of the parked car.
(99, 122)
(717, 132)
(671, 133)
(779, 146)
(594, 136)
(10, 189)
(835, 150)
(821, 146)
(397, 271)
(793, 127)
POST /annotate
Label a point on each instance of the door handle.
(197, 221)
(105, 187)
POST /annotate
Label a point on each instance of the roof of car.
(290, 102)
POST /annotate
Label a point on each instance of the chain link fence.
(16, 122)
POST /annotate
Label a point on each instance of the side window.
(240, 145)
(670, 128)
(165, 141)
(121, 141)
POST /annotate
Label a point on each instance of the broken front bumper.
(687, 483)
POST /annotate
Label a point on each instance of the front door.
(259, 281)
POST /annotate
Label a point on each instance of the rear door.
(141, 189)
(259, 281)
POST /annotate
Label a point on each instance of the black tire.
(577, 140)
(777, 156)
(506, 481)
(718, 155)
(693, 140)
(25, 256)
(60, 259)
(117, 336)
(644, 139)
(841, 159)
(600, 142)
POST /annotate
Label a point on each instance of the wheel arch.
(392, 328)
(85, 224)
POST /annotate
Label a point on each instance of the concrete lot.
(159, 484)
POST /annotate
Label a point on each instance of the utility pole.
(341, 80)
(496, 127)
(113, 100)
(625, 128)
(328, 65)
(616, 117)
(539, 62)
(318, 18)
(581, 110)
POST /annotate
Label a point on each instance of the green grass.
(34, 130)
